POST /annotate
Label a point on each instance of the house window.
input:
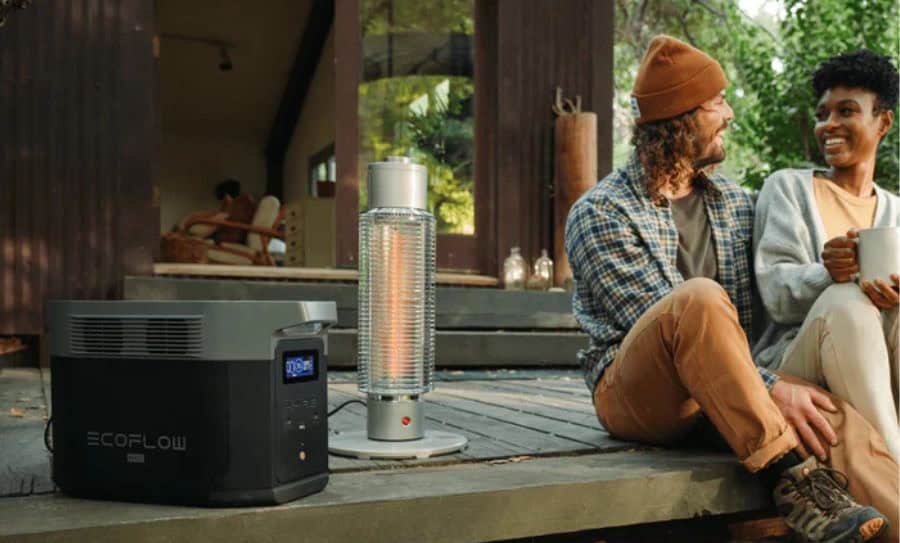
(322, 173)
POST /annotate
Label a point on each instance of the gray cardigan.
(788, 238)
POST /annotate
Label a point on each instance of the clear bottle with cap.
(515, 270)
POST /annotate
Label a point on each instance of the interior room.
(226, 74)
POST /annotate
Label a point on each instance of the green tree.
(779, 109)
(769, 63)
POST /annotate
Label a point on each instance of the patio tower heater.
(396, 318)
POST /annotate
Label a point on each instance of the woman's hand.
(839, 257)
(881, 293)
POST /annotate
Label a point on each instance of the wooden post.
(575, 171)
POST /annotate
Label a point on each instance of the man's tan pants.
(688, 356)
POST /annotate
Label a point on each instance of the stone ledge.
(478, 348)
(455, 307)
(466, 502)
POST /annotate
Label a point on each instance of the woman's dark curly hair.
(666, 149)
(865, 69)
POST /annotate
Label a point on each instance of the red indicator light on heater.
(405, 421)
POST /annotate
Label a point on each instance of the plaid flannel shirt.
(623, 248)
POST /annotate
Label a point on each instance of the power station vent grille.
(179, 336)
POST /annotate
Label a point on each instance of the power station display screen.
(300, 366)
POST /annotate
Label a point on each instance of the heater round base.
(358, 445)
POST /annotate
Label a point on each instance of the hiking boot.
(814, 502)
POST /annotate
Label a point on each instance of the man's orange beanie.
(674, 77)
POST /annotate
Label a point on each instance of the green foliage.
(769, 64)
(439, 136)
(426, 117)
(441, 16)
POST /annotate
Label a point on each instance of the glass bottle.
(515, 270)
(543, 271)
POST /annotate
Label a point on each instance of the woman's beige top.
(840, 210)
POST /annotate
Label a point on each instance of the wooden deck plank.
(563, 400)
(550, 435)
(521, 409)
(575, 397)
(576, 388)
(527, 402)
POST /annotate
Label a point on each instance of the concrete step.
(468, 348)
(456, 307)
(516, 498)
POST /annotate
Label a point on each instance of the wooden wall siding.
(542, 44)
(78, 144)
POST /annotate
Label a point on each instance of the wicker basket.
(182, 249)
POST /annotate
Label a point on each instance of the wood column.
(541, 45)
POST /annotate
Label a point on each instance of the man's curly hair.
(666, 149)
(865, 69)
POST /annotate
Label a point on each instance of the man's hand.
(798, 404)
(882, 294)
(839, 257)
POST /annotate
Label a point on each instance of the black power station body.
(183, 402)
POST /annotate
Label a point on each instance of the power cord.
(47, 434)
(345, 404)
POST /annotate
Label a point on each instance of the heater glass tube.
(396, 301)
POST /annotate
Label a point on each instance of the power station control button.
(302, 456)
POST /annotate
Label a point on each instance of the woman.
(826, 328)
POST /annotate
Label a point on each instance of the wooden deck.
(504, 414)
(537, 463)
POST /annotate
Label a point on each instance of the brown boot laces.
(826, 487)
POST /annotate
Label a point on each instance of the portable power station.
(193, 402)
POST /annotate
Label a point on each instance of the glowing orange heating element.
(397, 346)
(398, 311)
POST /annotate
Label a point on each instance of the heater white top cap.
(398, 182)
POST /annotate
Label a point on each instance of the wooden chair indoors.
(240, 234)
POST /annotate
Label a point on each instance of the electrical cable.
(345, 404)
(47, 434)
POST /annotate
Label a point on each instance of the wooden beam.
(347, 61)
(318, 24)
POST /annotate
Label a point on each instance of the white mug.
(879, 253)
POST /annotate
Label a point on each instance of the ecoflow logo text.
(120, 440)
